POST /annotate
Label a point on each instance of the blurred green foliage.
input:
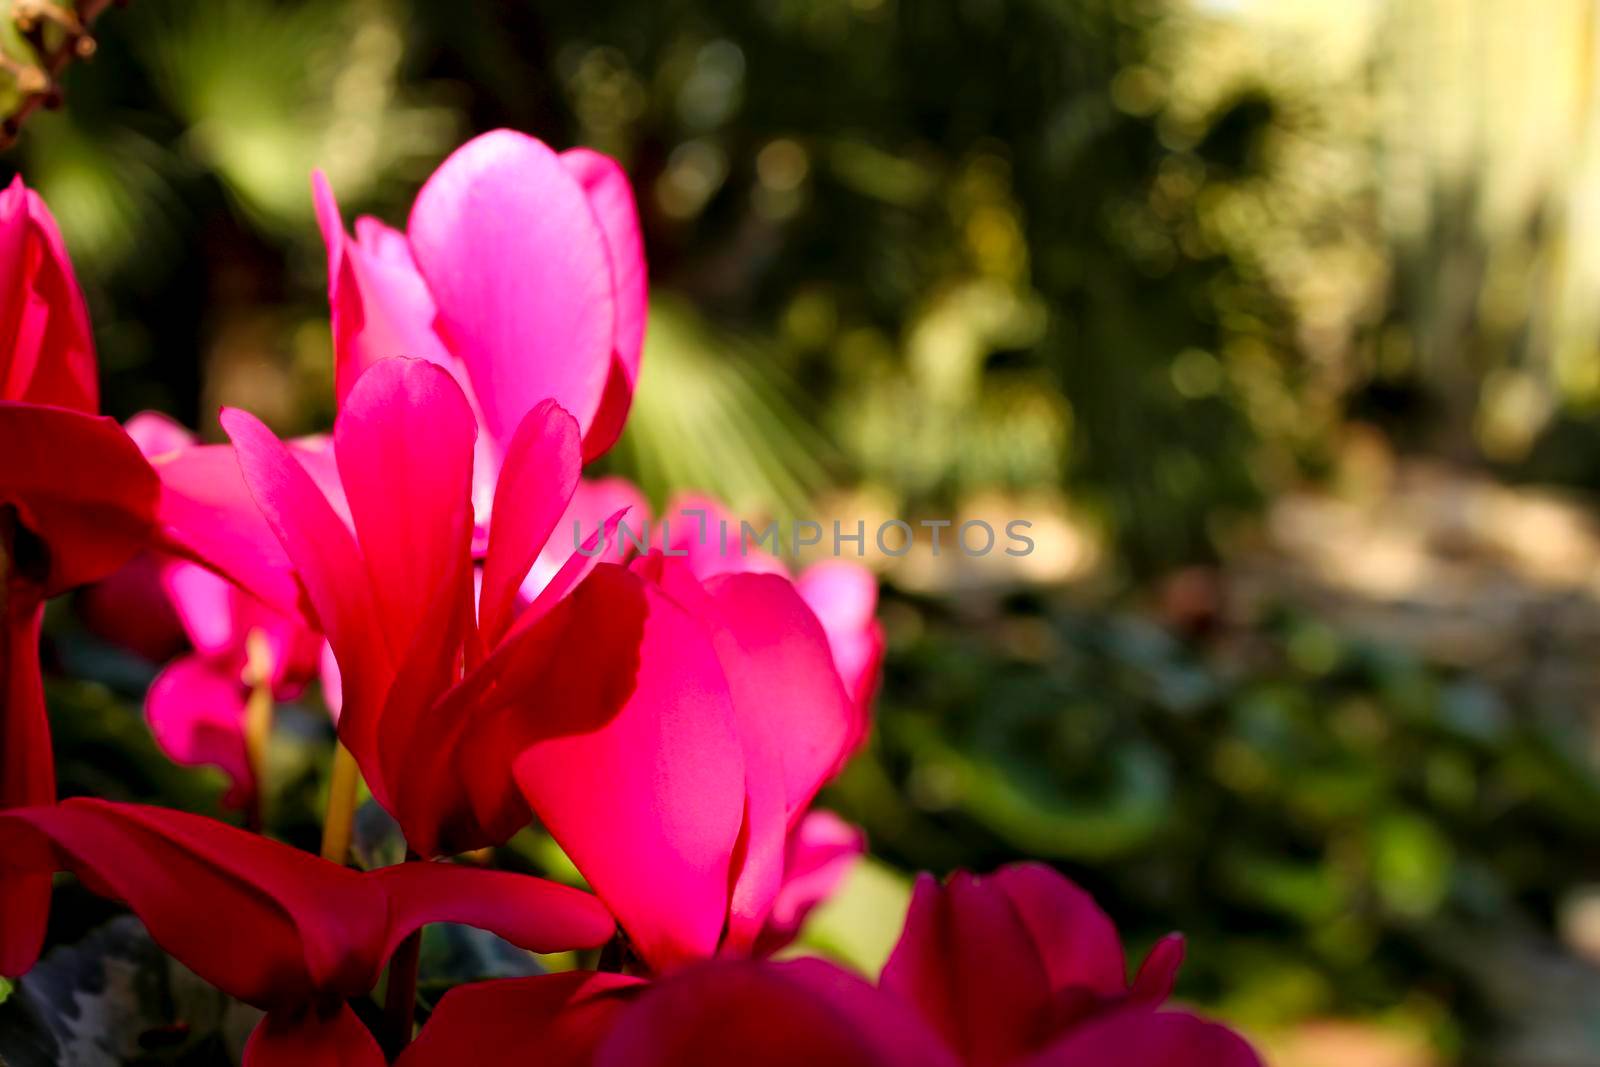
(1323, 817)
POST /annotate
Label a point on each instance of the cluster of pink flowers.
(668, 716)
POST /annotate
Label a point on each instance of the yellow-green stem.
(258, 719)
(341, 812)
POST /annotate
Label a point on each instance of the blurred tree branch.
(40, 21)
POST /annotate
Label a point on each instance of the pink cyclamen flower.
(669, 733)
(700, 872)
(441, 693)
(280, 929)
(801, 695)
(843, 595)
(76, 496)
(158, 604)
(1019, 968)
(521, 272)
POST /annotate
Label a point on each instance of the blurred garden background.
(1279, 320)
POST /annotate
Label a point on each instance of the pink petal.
(844, 596)
(1076, 939)
(1000, 964)
(536, 484)
(631, 758)
(564, 1016)
(206, 514)
(50, 357)
(332, 685)
(1149, 1039)
(711, 538)
(593, 503)
(403, 442)
(820, 854)
(794, 722)
(521, 276)
(196, 709)
(380, 305)
(611, 198)
(204, 603)
(157, 434)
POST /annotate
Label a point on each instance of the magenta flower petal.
(328, 565)
(844, 596)
(206, 514)
(403, 442)
(594, 502)
(611, 198)
(49, 358)
(27, 774)
(1149, 1039)
(379, 304)
(269, 924)
(632, 760)
(820, 853)
(196, 709)
(536, 485)
(521, 275)
(798, 1014)
(157, 434)
(794, 723)
(993, 962)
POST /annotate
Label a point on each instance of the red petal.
(261, 921)
(380, 306)
(740, 1013)
(529, 912)
(51, 354)
(312, 1039)
(331, 570)
(1149, 1039)
(563, 1016)
(27, 776)
(80, 485)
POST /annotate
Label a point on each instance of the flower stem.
(341, 812)
(258, 721)
(400, 999)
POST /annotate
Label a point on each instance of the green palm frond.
(270, 91)
(711, 414)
